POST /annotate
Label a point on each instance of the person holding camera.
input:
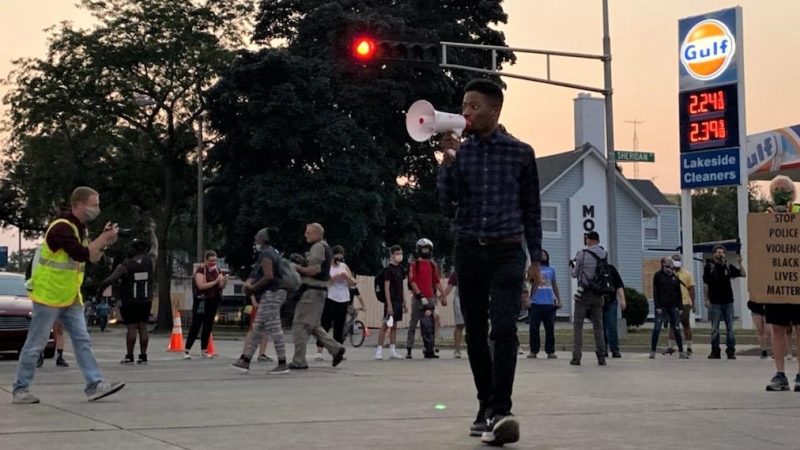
(209, 283)
(667, 299)
(56, 294)
(717, 276)
(588, 303)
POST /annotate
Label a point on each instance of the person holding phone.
(209, 282)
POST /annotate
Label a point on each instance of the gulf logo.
(708, 49)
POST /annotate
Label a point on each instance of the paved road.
(633, 403)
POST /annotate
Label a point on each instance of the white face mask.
(92, 212)
(676, 264)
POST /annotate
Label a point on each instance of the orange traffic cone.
(176, 341)
(210, 350)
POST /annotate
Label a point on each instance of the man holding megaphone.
(489, 186)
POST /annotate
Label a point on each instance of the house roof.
(651, 192)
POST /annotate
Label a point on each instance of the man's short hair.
(395, 248)
(81, 195)
(486, 87)
(676, 257)
(718, 247)
(593, 235)
(210, 253)
(318, 227)
(263, 234)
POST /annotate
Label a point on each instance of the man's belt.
(484, 241)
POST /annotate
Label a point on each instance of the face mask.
(258, 247)
(212, 265)
(667, 270)
(92, 212)
(338, 259)
(781, 197)
(677, 264)
(425, 253)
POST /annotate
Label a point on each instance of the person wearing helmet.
(423, 276)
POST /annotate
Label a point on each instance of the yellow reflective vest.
(57, 278)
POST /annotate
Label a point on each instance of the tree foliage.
(714, 215)
(309, 135)
(115, 107)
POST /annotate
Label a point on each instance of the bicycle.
(354, 328)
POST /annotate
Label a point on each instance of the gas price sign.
(709, 118)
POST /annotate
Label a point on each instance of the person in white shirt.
(335, 312)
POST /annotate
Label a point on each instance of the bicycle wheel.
(358, 333)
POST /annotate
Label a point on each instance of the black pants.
(490, 286)
(543, 314)
(204, 319)
(334, 315)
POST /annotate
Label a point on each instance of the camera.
(124, 232)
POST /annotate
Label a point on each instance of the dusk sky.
(645, 67)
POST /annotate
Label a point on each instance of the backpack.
(288, 276)
(601, 283)
(380, 279)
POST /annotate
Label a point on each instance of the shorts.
(783, 314)
(686, 316)
(458, 316)
(397, 312)
(133, 313)
(756, 308)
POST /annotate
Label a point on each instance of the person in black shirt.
(395, 304)
(610, 305)
(717, 276)
(134, 291)
(489, 187)
(667, 301)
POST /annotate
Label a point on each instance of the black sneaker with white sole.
(479, 425)
(501, 430)
(778, 383)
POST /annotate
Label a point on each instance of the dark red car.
(15, 315)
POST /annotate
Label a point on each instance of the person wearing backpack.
(390, 293)
(423, 276)
(667, 300)
(590, 267)
(263, 283)
(135, 293)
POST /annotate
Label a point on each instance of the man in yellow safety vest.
(56, 293)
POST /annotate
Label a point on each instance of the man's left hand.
(535, 275)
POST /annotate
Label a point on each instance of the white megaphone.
(423, 121)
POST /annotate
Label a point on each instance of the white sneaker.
(207, 355)
(186, 355)
(395, 356)
(318, 357)
(24, 398)
(105, 389)
(457, 354)
(378, 356)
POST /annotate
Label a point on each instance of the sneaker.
(24, 398)
(436, 350)
(456, 354)
(128, 360)
(669, 351)
(395, 356)
(206, 355)
(764, 354)
(715, 354)
(318, 357)
(601, 360)
(731, 354)
(61, 362)
(279, 369)
(531, 355)
(479, 427)
(552, 356)
(408, 355)
(40, 361)
(294, 366)
(616, 354)
(338, 357)
(264, 358)
(779, 383)
(684, 355)
(104, 389)
(242, 365)
(652, 355)
(431, 356)
(797, 383)
(378, 356)
(575, 362)
(142, 359)
(501, 430)
(186, 355)
(689, 351)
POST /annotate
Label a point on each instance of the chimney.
(590, 126)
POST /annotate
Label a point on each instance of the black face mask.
(426, 254)
(339, 259)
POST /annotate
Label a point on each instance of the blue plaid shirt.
(492, 191)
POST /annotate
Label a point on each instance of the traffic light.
(366, 49)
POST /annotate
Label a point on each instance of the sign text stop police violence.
(774, 258)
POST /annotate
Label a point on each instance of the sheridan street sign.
(626, 156)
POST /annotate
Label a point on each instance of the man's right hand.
(449, 145)
(110, 233)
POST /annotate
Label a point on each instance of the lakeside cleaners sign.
(774, 258)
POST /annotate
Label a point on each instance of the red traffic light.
(364, 48)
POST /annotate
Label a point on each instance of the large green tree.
(714, 212)
(308, 134)
(116, 107)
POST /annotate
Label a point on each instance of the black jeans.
(203, 319)
(334, 314)
(543, 314)
(490, 286)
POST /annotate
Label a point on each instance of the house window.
(551, 223)
(651, 228)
